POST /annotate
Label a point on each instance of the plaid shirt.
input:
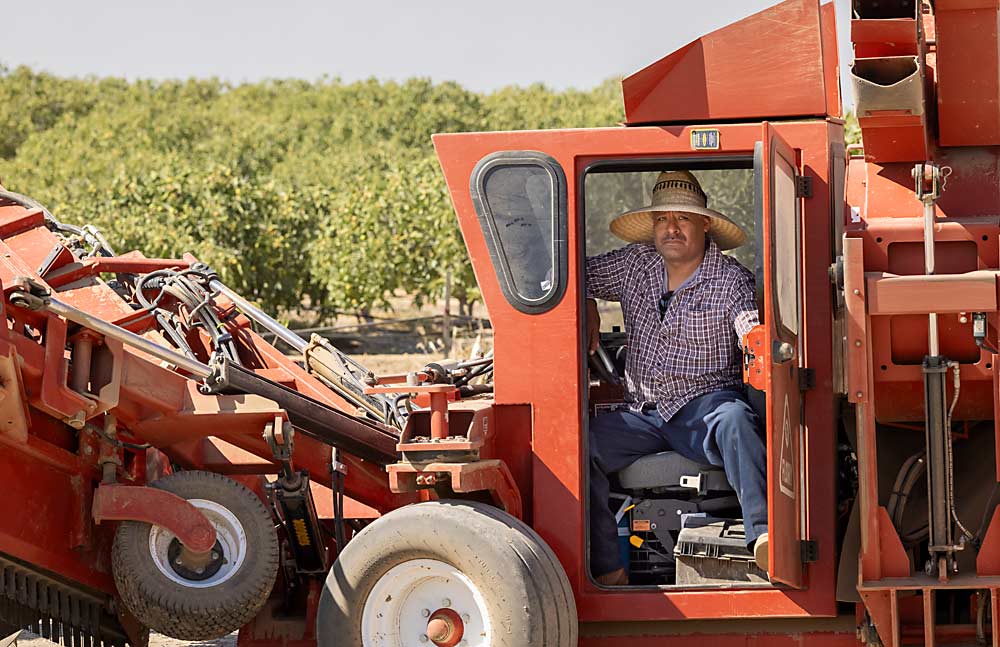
(695, 349)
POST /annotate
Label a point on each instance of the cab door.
(779, 294)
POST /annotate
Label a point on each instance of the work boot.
(614, 578)
(760, 552)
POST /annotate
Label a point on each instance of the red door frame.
(784, 398)
(539, 361)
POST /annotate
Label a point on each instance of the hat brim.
(636, 226)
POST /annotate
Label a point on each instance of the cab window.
(520, 199)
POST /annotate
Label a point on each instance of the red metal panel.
(895, 136)
(883, 607)
(554, 385)
(968, 71)
(43, 493)
(784, 488)
(884, 37)
(996, 412)
(886, 191)
(895, 562)
(894, 244)
(831, 60)
(988, 559)
(855, 298)
(131, 262)
(714, 78)
(14, 219)
(157, 507)
(743, 633)
(944, 293)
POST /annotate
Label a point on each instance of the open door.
(779, 302)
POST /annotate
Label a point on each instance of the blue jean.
(718, 429)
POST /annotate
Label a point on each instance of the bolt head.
(963, 320)
(860, 394)
(857, 292)
(215, 555)
(178, 561)
(425, 613)
(446, 602)
(199, 570)
(424, 638)
(857, 342)
(465, 617)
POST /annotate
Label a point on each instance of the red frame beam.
(156, 507)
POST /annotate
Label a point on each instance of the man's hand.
(593, 327)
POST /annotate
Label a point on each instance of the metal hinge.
(807, 379)
(804, 186)
(809, 550)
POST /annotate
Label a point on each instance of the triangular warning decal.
(786, 478)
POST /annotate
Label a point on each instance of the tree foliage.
(327, 193)
(323, 192)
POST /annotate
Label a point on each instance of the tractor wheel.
(210, 601)
(447, 573)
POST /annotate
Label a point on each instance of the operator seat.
(664, 490)
(670, 473)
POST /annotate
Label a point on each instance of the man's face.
(679, 236)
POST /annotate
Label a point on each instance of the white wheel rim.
(229, 532)
(397, 609)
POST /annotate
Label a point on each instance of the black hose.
(474, 373)
(908, 476)
(474, 389)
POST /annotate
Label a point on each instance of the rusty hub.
(445, 628)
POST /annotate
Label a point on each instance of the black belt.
(647, 407)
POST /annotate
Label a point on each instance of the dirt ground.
(156, 640)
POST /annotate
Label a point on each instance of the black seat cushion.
(663, 471)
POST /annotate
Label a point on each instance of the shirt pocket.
(705, 334)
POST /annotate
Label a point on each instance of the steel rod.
(66, 311)
(261, 317)
(933, 348)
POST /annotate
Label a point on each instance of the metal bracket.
(929, 181)
(280, 437)
(693, 482)
(804, 186)
(809, 551)
(807, 379)
(699, 483)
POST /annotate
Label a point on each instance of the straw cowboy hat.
(677, 191)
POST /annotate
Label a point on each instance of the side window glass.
(520, 199)
(786, 237)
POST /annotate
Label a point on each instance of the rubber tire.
(525, 588)
(188, 613)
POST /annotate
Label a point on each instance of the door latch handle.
(781, 352)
